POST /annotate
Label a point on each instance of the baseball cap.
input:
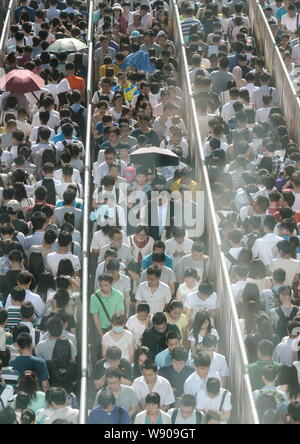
(129, 174)
(161, 33)
(135, 35)
(14, 205)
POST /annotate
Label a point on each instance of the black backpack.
(281, 329)
(51, 191)
(79, 119)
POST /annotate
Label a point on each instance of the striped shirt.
(186, 26)
(13, 317)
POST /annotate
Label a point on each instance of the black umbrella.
(154, 157)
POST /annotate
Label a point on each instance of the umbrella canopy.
(140, 60)
(21, 81)
(67, 45)
(153, 156)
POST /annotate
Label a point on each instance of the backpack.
(78, 118)
(281, 329)
(2, 388)
(51, 191)
(175, 414)
(79, 66)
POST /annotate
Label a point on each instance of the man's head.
(153, 276)
(159, 321)
(209, 345)
(116, 237)
(105, 283)
(285, 294)
(202, 364)
(172, 340)
(149, 371)
(113, 379)
(265, 350)
(57, 397)
(152, 401)
(294, 412)
(113, 356)
(24, 343)
(179, 358)
(213, 387)
(106, 400)
(197, 251)
(54, 327)
(269, 374)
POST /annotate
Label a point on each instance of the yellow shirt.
(177, 184)
(181, 323)
(103, 68)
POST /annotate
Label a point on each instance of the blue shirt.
(30, 11)
(116, 416)
(147, 261)
(163, 358)
(281, 12)
(37, 365)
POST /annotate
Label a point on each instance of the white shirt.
(100, 239)
(196, 304)
(7, 395)
(228, 112)
(156, 300)
(204, 402)
(234, 252)
(34, 133)
(296, 54)
(53, 122)
(35, 299)
(290, 22)
(207, 148)
(185, 290)
(237, 290)
(284, 352)
(219, 365)
(137, 328)
(290, 266)
(262, 248)
(141, 417)
(126, 339)
(61, 188)
(53, 260)
(76, 178)
(162, 387)
(262, 114)
(194, 383)
(172, 246)
(250, 87)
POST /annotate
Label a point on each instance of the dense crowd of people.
(154, 309)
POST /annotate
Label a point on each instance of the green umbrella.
(67, 45)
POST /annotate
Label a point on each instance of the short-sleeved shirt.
(167, 276)
(114, 303)
(176, 379)
(101, 367)
(162, 387)
(44, 349)
(37, 365)
(204, 402)
(195, 303)
(156, 300)
(255, 373)
(126, 399)
(76, 82)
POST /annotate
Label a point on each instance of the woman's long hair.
(28, 384)
(36, 266)
(62, 354)
(288, 375)
(46, 282)
(251, 306)
(199, 320)
(65, 268)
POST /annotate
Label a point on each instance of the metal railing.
(5, 34)
(288, 99)
(231, 339)
(86, 225)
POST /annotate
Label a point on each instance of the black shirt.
(124, 366)
(176, 380)
(155, 341)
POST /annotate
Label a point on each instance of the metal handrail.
(215, 231)
(6, 26)
(289, 101)
(86, 228)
